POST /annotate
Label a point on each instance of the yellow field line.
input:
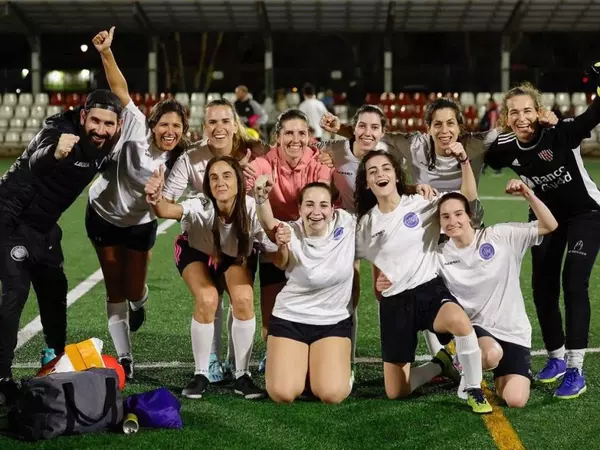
(504, 435)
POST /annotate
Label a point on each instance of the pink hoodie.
(287, 181)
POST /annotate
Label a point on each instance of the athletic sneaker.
(245, 386)
(8, 391)
(136, 318)
(262, 367)
(48, 355)
(127, 364)
(572, 386)
(215, 369)
(554, 369)
(477, 401)
(352, 377)
(196, 387)
(444, 359)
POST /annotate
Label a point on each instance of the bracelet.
(464, 161)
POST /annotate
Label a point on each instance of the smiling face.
(522, 117)
(168, 131)
(223, 182)
(220, 126)
(293, 139)
(100, 126)
(316, 210)
(381, 176)
(454, 220)
(444, 128)
(367, 132)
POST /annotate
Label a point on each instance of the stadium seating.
(22, 116)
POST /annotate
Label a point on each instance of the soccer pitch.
(433, 418)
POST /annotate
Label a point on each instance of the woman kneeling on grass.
(310, 326)
(221, 226)
(481, 268)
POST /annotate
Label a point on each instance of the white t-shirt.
(484, 277)
(314, 110)
(197, 220)
(188, 170)
(319, 272)
(118, 194)
(401, 243)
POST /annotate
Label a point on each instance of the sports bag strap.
(74, 414)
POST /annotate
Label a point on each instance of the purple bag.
(155, 409)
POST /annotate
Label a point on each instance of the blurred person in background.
(314, 110)
(247, 107)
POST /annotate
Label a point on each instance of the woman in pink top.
(292, 164)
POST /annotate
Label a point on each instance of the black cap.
(104, 99)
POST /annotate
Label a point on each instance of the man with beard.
(43, 182)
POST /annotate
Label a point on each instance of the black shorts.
(271, 274)
(185, 255)
(104, 234)
(516, 359)
(308, 334)
(402, 316)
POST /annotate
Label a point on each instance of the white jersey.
(484, 277)
(188, 170)
(446, 174)
(118, 194)
(319, 272)
(314, 110)
(401, 243)
(197, 221)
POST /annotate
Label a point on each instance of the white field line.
(189, 365)
(35, 326)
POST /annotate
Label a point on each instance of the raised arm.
(262, 188)
(102, 41)
(468, 186)
(50, 148)
(546, 221)
(154, 196)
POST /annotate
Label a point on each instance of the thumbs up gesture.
(283, 235)
(249, 171)
(103, 40)
(154, 186)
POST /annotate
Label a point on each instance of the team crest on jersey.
(338, 233)
(546, 155)
(487, 251)
(19, 253)
(411, 220)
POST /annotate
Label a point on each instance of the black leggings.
(581, 237)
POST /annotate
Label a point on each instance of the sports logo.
(546, 155)
(578, 246)
(337, 234)
(487, 251)
(577, 249)
(19, 253)
(516, 163)
(411, 220)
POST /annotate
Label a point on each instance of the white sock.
(140, 303)
(422, 374)
(433, 343)
(230, 347)
(559, 353)
(217, 339)
(242, 335)
(469, 356)
(575, 359)
(118, 327)
(202, 334)
(353, 335)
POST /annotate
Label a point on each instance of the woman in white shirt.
(119, 222)
(398, 234)
(221, 227)
(224, 135)
(481, 267)
(310, 325)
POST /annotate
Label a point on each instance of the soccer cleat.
(477, 401)
(552, 371)
(48, 355)
(215, 369)
(444, 359)
(136, 318)
(127, 364)
(262, 367)
(8, 391)
(196, 386)
(245, 386)
(572, 386)
(352, 377)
